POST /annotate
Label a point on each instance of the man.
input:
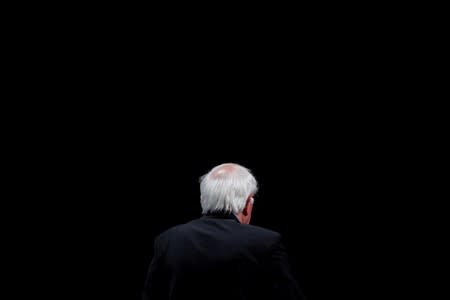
(221, 256)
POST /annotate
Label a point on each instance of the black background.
(328, 187)
(112, 174)
(139, 118)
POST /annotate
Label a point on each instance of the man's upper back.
(216, 257)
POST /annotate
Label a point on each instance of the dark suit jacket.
(216, 257)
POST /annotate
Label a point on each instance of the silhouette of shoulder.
(224, 231)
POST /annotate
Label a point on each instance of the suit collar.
(221, 215)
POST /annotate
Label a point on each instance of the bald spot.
(223, 170)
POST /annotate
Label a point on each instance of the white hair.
(226, 188)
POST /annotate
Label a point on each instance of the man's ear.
(248, 203)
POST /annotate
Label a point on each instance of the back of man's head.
(226, 189)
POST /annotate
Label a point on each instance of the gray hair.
(226, 188)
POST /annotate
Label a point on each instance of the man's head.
(228, 188)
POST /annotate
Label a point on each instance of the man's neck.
(240, 217)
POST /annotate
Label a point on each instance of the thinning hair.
(225, 188)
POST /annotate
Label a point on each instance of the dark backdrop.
(321, 133)
(324, 188)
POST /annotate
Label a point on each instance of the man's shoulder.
(254, 231)
(177, 229)
(261, 237)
